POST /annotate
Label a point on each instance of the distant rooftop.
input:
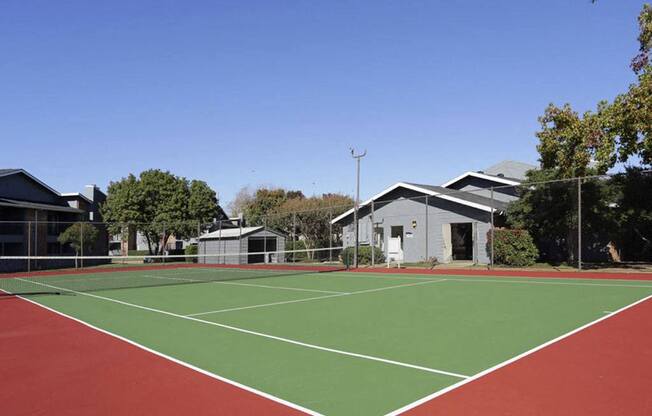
(509, 169)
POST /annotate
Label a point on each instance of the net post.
(491, 260)
(579, 224)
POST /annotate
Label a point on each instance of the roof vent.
(480, 171)
(501, 175)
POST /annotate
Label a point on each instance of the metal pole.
(491, 264)
(220, 245)
(357, 206)
(330, 235)
(426, 228)
(81, 243)
(29, 246)
(265, 240)
(240, 240)
(373, 235)
(163, 243)
(579, 224)
(198, 235)
(294, 235)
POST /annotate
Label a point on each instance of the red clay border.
(326, 268)
(603, 370)
(53, 365)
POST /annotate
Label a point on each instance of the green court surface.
(339, 343)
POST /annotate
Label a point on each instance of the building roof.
(234, 232)
(464, 198)
(33, 205)
(7, 172)
(77, 195)
(507, 172)
(510, 169)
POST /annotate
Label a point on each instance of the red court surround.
(51, 365)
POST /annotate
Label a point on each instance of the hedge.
(192, 250)
(513, 247)
(364, 255)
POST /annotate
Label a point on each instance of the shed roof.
(227, 233)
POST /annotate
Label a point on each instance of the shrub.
(513, 247)
(191, 250)
(296, 245)
(364, 255)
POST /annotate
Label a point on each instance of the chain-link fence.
(589, 222)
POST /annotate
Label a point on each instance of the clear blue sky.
(275, 92)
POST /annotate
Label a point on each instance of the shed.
(235, 245)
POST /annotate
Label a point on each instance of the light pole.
(357, 205)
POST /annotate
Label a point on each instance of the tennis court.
(331, 341)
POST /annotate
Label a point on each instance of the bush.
(364, 255)
(191, 250)
(296, 245)
(513, 247)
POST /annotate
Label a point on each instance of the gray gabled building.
(449, 222)
(234, 245)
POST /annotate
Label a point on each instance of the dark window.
(12, 249)
(54, 248)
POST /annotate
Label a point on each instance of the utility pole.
(357, 205)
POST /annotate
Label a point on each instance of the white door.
(447, 243)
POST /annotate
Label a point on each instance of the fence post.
(491, 261)
(426, 229)
(220, 244)
(373, 235)
(163, 243)
(294, 236)
(29, 246)
(330, 235)
(240, 240)
(579, 224)
(265, 240)
(81, 243)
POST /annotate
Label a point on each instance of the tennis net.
(66, 275)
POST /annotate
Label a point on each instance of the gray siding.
(234, 246)
(402, 212)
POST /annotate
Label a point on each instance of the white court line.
(315, 298)
(511, 360)
(545, 283)
(182, 363)
(298, 289)
(263, 305)
(469, 278)
(263, 335)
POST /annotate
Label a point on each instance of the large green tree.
(256, 206)
(81, 237)
(571, 145)
(310, 217)
(616, 132)
(159, 204)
